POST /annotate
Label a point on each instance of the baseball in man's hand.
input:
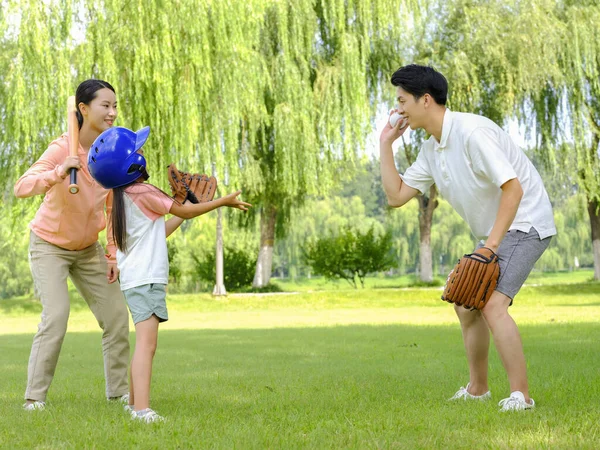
(394, 118)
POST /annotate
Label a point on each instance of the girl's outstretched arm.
(172, 224)
(190, 210)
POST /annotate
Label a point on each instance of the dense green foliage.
(281, 96)
(272, 92)
(356, 204)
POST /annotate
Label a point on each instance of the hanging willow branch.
(275, 93)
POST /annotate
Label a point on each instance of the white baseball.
(394, 118)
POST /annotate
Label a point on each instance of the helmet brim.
(140, 137)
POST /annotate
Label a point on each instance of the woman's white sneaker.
(516, 402)
(463, 394)
(121, 398)
(35, 406)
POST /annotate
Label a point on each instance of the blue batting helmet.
(113, 160)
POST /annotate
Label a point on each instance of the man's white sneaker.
(35, 406)
(516, 402)
(128, 408)
(463, 394)
(147, 415)
(121, 399)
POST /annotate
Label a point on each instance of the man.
(494, 187)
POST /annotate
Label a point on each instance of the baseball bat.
(73, 129)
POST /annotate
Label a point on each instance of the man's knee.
(496, 307)
(466, 316)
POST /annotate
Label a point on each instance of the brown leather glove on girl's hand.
(196, 188)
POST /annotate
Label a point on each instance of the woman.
(64, 243)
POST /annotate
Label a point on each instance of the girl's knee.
(146, 335)
(145, 346)
(146, 343)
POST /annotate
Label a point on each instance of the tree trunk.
(219, 288)
(426, 207)
(262, 276)
(594, 213)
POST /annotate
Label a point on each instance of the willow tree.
(326, 61)
(496, 55)
(581, 65)
(275, 93)
(565, 110)
(36, 79)
(556, 87)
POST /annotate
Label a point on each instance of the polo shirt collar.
(446, 127)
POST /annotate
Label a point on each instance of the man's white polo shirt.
(472, 160)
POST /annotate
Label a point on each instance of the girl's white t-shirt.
(145, 260)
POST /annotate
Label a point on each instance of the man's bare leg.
(476, 337)
(507, 341)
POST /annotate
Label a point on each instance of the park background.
(285, 98)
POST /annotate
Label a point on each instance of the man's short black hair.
(420, 80)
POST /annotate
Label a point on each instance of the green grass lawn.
(339, 368)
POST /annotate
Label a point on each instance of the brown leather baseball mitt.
(473, 280)
(196, 188)
(202, 188)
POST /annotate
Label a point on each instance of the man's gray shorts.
(518, 253)
(146, 300)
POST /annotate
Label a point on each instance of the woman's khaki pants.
(50, 266)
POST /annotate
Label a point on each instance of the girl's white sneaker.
(147, 415)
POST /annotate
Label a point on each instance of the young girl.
(64, 243)
(116, 161)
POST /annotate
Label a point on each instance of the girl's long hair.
(119, 220)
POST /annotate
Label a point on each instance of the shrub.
(238, 268)
(350, 254)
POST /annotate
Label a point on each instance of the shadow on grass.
(380, 347)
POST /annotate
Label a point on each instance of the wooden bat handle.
(73, 129)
